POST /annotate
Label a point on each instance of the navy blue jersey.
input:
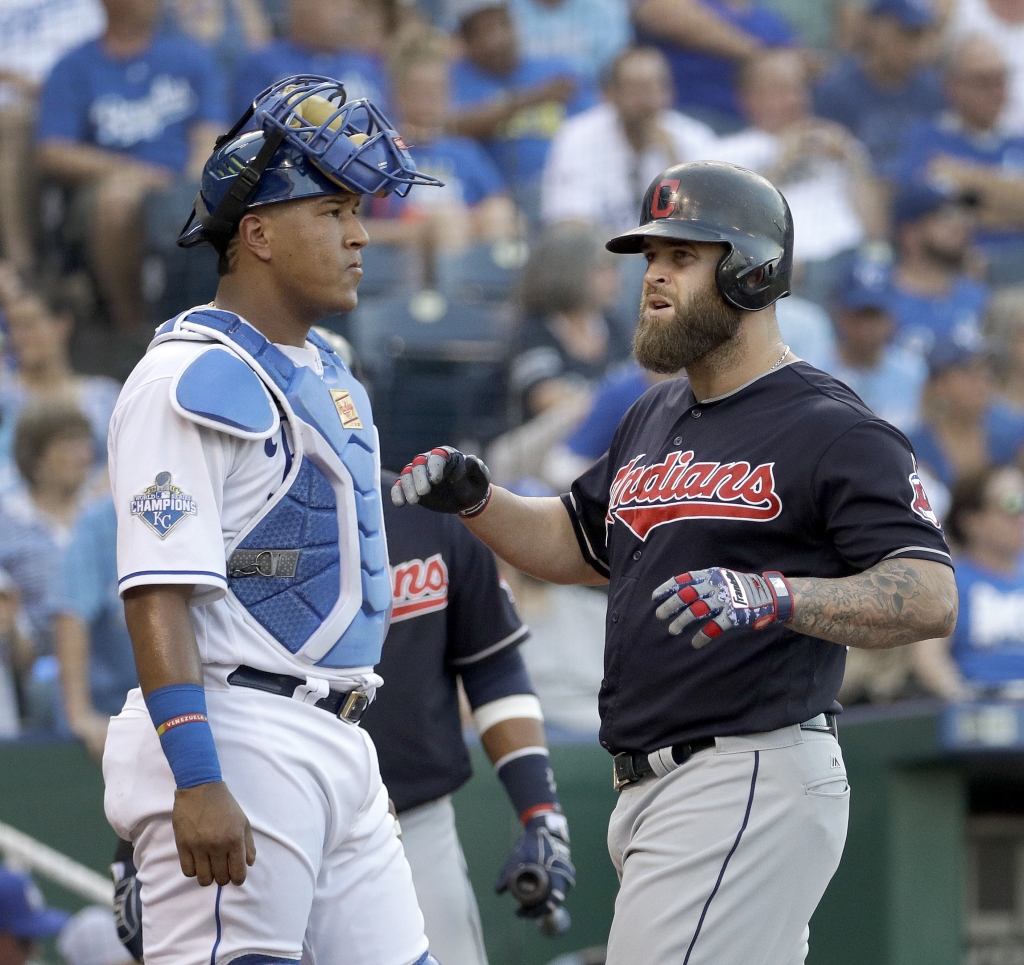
(791, 472)
(451, 611)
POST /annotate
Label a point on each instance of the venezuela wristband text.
(179, 716)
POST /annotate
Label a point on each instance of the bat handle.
(554, 923)
(528, 885)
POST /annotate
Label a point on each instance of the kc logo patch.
(163, 505)
(677, 488)
(346, 409)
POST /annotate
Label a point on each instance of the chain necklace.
(781, 359)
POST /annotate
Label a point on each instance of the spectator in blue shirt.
(473, 205)
(121, 116)
(586, 33)
(963, 150)
(963, 428)
(985, 654)
(54, 452)
(97, 668)
(705, 42)
(327, 37)
(888, 377)
(888, 84)
(512, 104)
(931, 296)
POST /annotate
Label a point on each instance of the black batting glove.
(542, 847)
(445, 481)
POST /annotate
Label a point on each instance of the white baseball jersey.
(183, 492)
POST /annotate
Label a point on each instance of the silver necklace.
(781, 359)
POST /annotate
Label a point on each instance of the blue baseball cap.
(23, 911)
(918, 199)
(866, 285)
(952, 351)
(912, 14)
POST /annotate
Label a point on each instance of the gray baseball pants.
(439, 874)
(723, 860)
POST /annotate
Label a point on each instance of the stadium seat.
(436, 369)
(387, 269)
(174, 278)
(482, 273)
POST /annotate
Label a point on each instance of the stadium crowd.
(895, 128)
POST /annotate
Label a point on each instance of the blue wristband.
(529, 782)
(179, 716)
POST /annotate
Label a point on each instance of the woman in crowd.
(567, 340)
(39, 335)
(473, 206)
(963, 427)
(567, 343)
(986, 652)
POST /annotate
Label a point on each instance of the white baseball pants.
(723, 860)
(331, 883)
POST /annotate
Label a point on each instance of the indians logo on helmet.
(920, 504)
(677, 488)
(420, 586)
(663, 210)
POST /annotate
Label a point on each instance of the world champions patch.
(163, 505)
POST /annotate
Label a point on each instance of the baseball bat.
(528, 886)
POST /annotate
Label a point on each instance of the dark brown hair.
(968, 497)
(39, 427)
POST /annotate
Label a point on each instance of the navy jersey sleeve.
(587, 505)
(872, 500)
(482, 620)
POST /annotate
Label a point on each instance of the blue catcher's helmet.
(310, 140)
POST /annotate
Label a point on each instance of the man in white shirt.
(602, 160)
(823, 171)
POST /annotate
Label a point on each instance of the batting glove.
(544, 842)
(726, 599)
(445, 481)
(127, 907)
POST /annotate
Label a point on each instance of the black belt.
(632, 766)
(348, 705)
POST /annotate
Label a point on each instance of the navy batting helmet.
(309, 140)
(713, 201)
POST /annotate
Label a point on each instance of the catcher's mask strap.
(229, 212)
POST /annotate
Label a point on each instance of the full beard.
(705, 323)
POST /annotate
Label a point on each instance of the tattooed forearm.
(893, 603)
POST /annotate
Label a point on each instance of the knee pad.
(426, 959)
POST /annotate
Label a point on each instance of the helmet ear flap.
(749, 287)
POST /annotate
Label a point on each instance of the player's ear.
(254, 234)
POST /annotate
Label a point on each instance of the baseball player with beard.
(752, 520)
(254, 569)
